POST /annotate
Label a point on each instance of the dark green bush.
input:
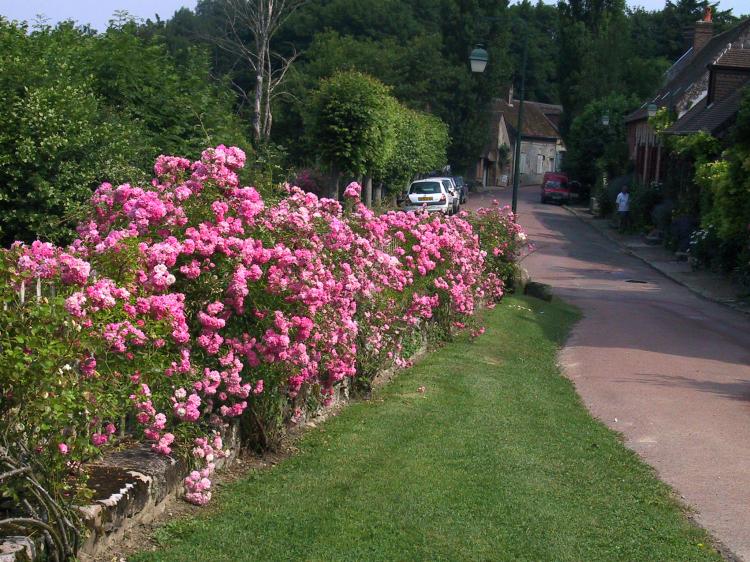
(643, 201)
(80, 109)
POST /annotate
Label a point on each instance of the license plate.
(424, 198)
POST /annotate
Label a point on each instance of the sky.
(98, 12)
(94, 12)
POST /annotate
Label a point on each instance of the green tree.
(82, 108)
(349, 122)
(594, 147)
(57, 140)
(179, 106)
(729, 182)
(420, 146)
(418, 48)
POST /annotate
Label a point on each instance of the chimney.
(510, 95)
(703, 31)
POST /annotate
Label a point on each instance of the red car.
(555, 187)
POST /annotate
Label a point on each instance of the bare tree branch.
(250, 25)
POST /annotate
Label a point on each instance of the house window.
(540, 164)
(522, 164)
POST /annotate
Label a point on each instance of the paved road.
(667, 369)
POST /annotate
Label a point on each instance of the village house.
(703, 91)
(542, 147)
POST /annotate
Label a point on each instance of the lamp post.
(651, 110)
(478, 59)
(605, 123)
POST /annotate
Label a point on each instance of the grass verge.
(496, 460)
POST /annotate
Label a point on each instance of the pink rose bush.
(190, 302)
(502, 238)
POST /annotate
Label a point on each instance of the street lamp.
(605, 122)
(651, 110)
(478, 59)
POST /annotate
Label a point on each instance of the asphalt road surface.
(666, 368)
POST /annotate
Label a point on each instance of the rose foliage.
(187, 303)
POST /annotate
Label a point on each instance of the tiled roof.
(689, 70)
(734, 58)
(548, 108)
(711, 119)
(535, 122)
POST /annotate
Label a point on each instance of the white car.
(453, 191)
(430, 194)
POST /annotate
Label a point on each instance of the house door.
(539, 163)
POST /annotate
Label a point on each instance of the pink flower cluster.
(46, 261)
(211, 298)
(197, 483)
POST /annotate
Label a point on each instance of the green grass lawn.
(497, 460)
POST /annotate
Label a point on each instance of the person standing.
(623, 208)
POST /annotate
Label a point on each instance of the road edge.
(695, 290)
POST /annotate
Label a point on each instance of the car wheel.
(543, 199)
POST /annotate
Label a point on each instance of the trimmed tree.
(350, 123)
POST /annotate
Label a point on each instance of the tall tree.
(249, 28)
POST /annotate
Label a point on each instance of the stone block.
(538, 291)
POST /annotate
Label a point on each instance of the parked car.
(450, 185)
(463, 189)
(452, 190)
(555, 187)
(431, 194)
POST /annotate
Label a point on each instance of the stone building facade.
(542, 148)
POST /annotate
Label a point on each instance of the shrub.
(708, 250)
(643, 200)
(311, 181)
(189, 302)
(501, 238)
(80, 108)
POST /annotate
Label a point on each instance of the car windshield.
(425, 188)
(459, 181)
(553, 185)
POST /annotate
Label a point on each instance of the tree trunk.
(378, 194)
(258, 118)
(335, 177)
(267, 117)
(257, 104)
(367, 189)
